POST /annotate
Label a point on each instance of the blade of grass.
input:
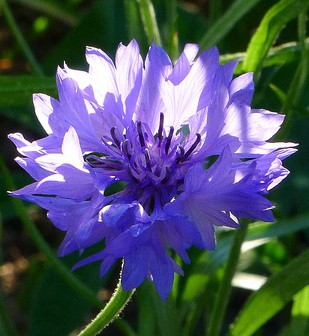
(272, 23)
(51, 8)
(282, 54)
(299, 79)
(148, 16)
(209, 262)
(146, 317)
(299, 324)
(172, 41)
(134, 26)
(226, 22)
(215, 10)
(19, 38)
(155, 316)
(273, 296)
(222, 297)
(301, 74)
(22, 87)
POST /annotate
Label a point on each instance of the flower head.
(150, 156)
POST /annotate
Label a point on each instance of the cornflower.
(149, 157)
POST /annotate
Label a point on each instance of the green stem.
(19, 38)
(149, 21)
(175, 289)
(39, 241)
(113, 308)
(223, 295)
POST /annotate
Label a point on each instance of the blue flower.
(151, 156)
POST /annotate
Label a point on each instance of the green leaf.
(161, 318)
(279, 93)
(18, 35)
(172, 41)
(226, 22)
(146, 316)
(17, 90)
(279, 55)
(134, 25)
(208, 262)
(149, 20)
(283, 54)
(273, 296)
(299, 324)
(298, 81)
(260, 230)
(273, 22)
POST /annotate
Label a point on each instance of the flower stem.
(113, 308)
(223, 295)
(19, 38)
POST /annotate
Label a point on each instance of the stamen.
(147, 157)
(130, 173)
(182, 151)
(191, 149)
(114, 136)
(140, 134)
(160, 130)
(167, 174)
(92, 160)
(169, 139)
(126, 148)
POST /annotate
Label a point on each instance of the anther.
(160, 130)
(130, 173)
(169, 139)
(126, 148)
(167, 175)
(191, 149)
(147, 157)
(182, 151)
(140, 134)
(114, 136)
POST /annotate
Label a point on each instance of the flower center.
(153, 165)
